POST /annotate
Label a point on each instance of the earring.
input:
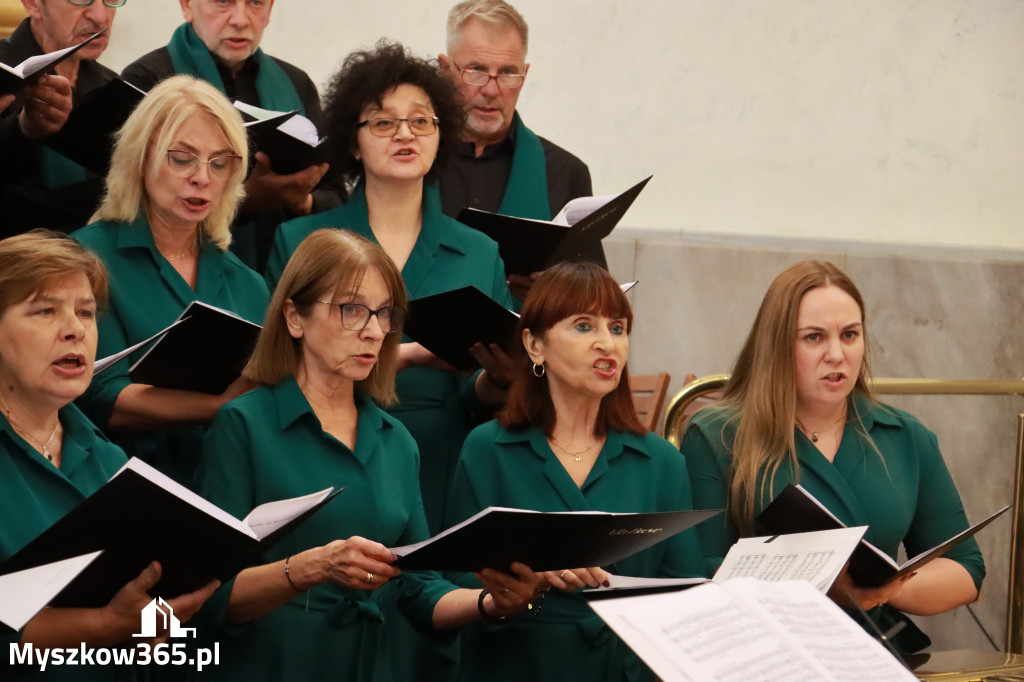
(538, 370)
(357, 157)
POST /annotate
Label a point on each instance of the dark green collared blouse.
(516, 468)
(903, 491)
(438, 407)
(34, 494)
(146, 295)
(268, 445)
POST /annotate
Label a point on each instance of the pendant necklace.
(44, 447)
(575, 455)
(814, 434)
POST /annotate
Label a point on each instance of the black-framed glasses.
(384, 126)
(478, 78)
(106, 3)
(185, 164)
(355, 316)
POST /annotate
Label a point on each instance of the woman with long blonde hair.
(798, 409)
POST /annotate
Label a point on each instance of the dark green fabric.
(189, 55)
(437, 406)
(526, 194)
(516, 468)
(34, 494)
(58, 170)
(146, 295)
(268, 445)
(906, 495)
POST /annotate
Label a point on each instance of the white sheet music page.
(728, 633)
(23, 593)
(817, 557)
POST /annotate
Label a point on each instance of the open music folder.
(529, 246)
(23, 593)
(205, 351)
(544, 541)
(15, 77)
(746, 630)
(449, 323)
(817, 557)
(288, 138)
(795, 510)
(140, 515)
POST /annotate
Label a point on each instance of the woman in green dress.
(569, 440)
(315, 606)
(163, 232)
(392, 121)
(51, 456)
(797, 408)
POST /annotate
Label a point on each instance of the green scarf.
(526, 194)
(189, 55)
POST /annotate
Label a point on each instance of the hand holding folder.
(141, 516)
(14, 78)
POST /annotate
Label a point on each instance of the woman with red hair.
(569, 440)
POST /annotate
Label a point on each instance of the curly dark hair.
(364, 78)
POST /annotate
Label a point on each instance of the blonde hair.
(761, 393)
(151, 129)
(328, 264)
(33, 261)
(496, 12)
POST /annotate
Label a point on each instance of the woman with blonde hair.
(51, 456)
(162, 230)
(315, 605)
(798, 408)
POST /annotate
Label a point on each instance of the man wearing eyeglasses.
(220, 43)
(503, 166)
(41, 188)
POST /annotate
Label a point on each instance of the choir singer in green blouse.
(315, 606)
(51, 456)
(162, 230)
(392, 121)
(797, 409)
(569, 440)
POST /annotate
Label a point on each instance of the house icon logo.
(159, 609)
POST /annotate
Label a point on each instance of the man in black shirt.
(219, 42)
(38, 186)
(502, 166)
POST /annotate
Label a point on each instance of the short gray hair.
(489, 11)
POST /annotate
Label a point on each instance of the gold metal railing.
(676, 418)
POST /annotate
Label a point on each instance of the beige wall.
(895, 121)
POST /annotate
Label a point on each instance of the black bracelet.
(288, 577)
(488, 618)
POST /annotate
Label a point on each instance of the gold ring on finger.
(369, 577)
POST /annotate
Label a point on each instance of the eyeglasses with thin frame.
(106, 3)
(355, 316)
(185, 164)
(385, 126)
(478, 78)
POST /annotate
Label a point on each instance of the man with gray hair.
(38, 186)
(502, 166)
